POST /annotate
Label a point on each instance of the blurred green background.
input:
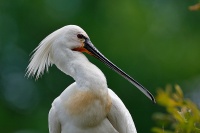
(156, 42)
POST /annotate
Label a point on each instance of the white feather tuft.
(40, 59)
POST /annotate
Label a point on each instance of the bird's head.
(69, 37)
(72, 38)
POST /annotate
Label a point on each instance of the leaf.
(179, 91)
(159, 130)
(183, 116)
(195, 7)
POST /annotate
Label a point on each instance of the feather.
(40, 59)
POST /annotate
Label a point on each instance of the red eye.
(80, 36)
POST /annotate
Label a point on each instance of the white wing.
(54, 125)
(119, 116)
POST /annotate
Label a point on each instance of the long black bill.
(90, 47)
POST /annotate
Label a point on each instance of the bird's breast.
(87, 107)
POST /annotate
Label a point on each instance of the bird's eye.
(80, 36)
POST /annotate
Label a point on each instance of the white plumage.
(87, 105)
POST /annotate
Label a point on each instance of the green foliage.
(182, 116)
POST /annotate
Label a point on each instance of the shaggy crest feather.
(40, 60)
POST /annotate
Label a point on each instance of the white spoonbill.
(87, 105)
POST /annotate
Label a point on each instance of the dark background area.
(156, 42)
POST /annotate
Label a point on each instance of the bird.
(87, 105)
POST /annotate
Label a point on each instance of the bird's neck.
(86, 74)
